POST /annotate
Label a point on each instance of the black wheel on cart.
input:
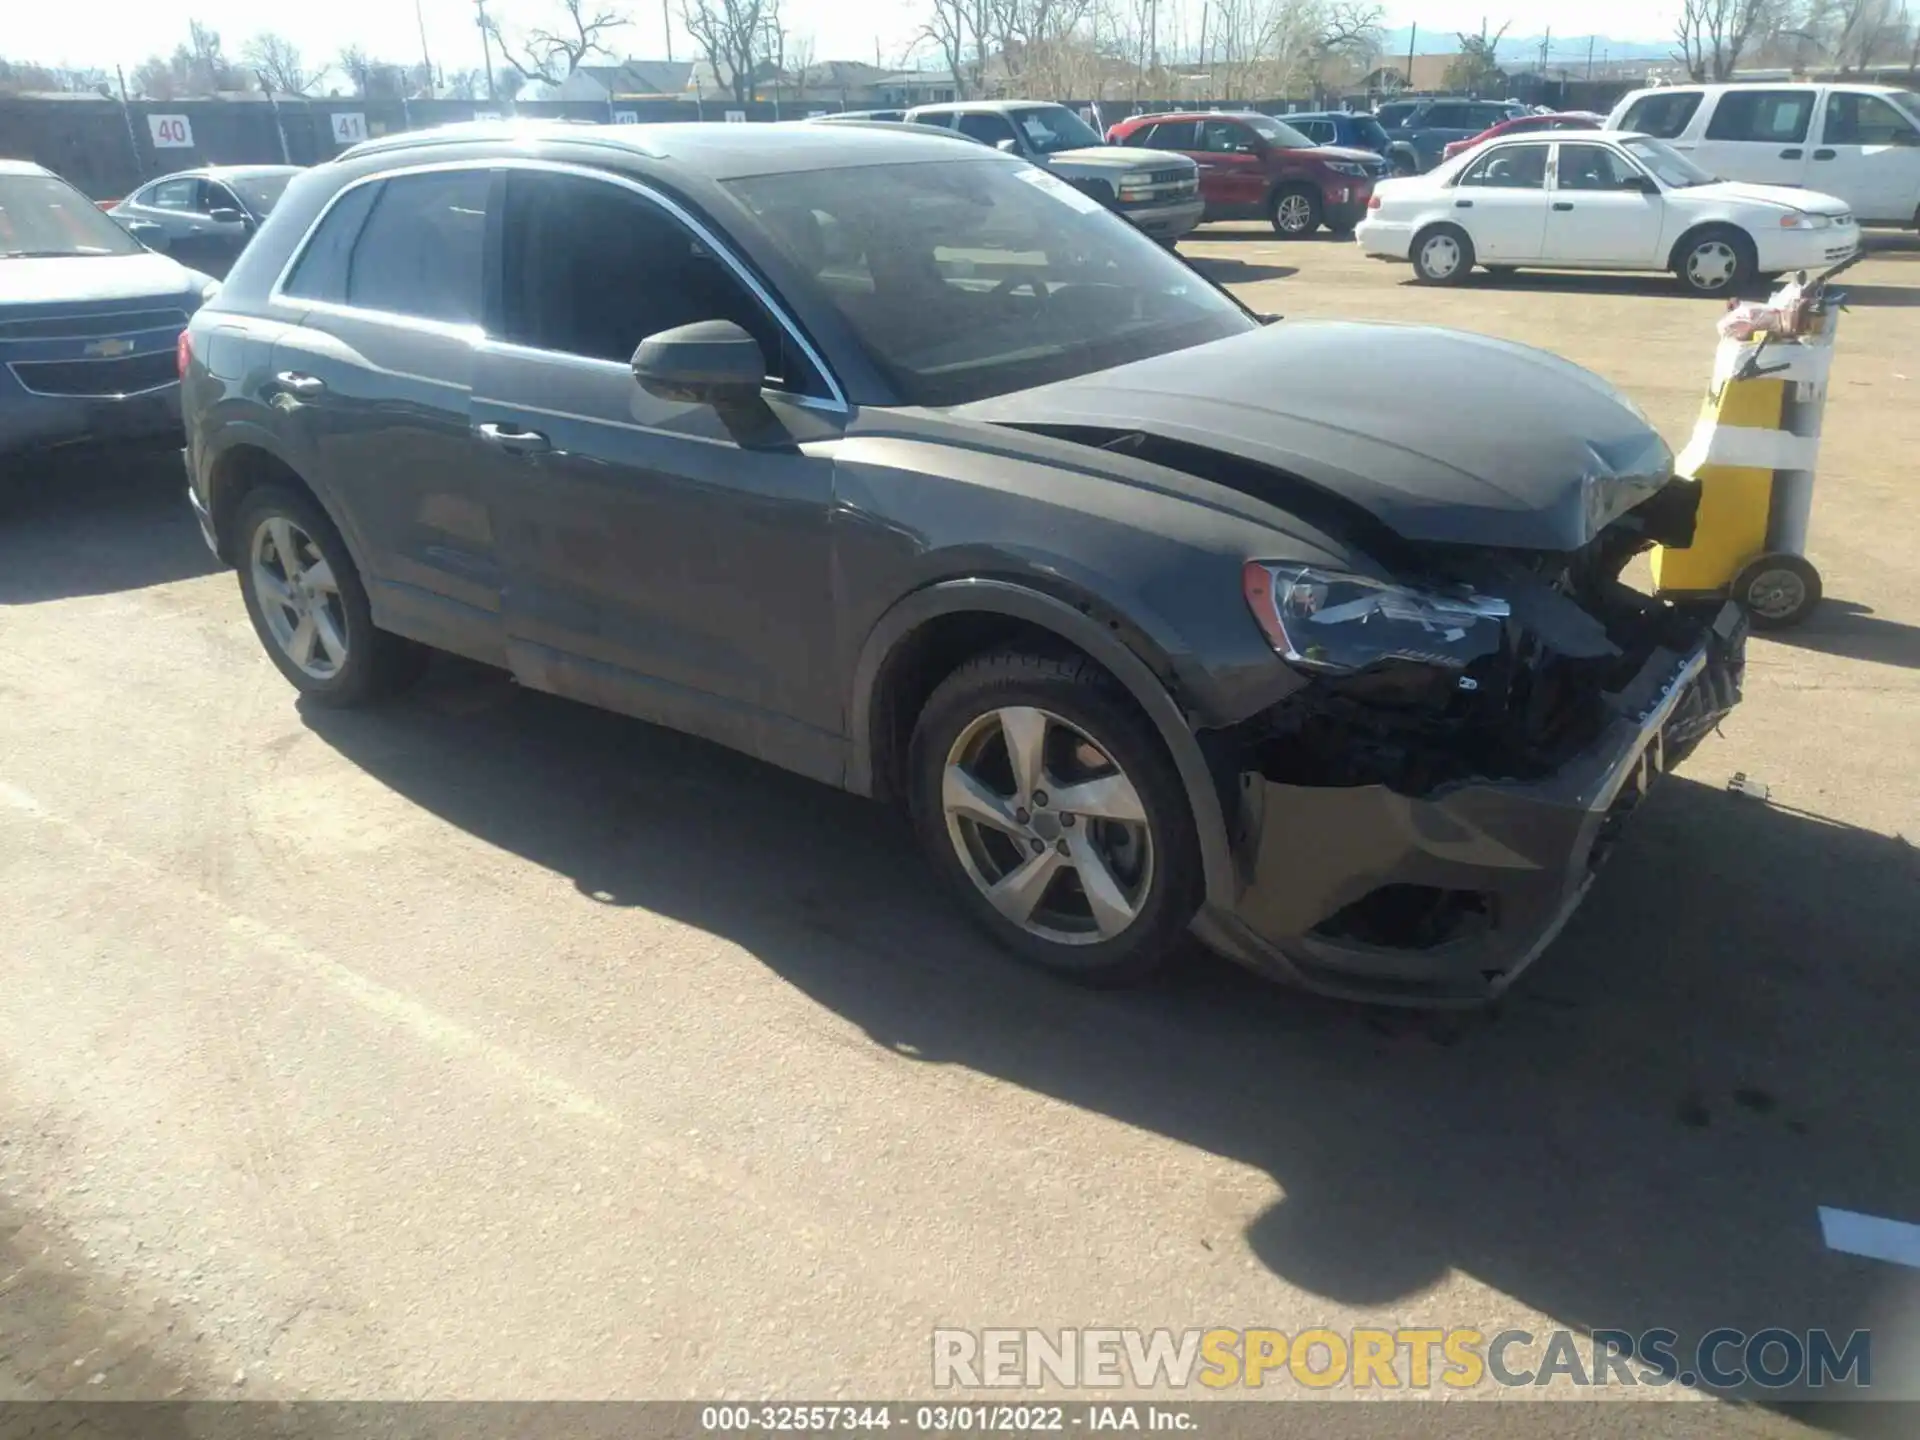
(1777, 591)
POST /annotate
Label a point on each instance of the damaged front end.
(1418, 820)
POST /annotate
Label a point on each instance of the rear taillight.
(183, 353)
(1373, 203)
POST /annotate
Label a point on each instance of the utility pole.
(486, 47)
(1413, 35)
(426, 60)
(1546, 41)
(1590, 57)
(666, 26)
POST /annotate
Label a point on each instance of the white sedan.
(1600, 200)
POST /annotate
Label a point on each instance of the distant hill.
(1525, 49)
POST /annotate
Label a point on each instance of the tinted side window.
(1167, 135)
(593, 269)
(1661, 116)
(1773, 117)
(988, 128)
(1225, 137)
(321, 271)
(183, 195)
(1448, 117)
(1593, 167)
(216, 197)
(1855, 119)
(1488, 116)
(420, 251)
(1318, 131)
(1510, 167)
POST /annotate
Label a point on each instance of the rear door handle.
(1563, 204)
(1463, 204)
(295, 383)
(514, 440)
(1823, 154)
(1793, 153)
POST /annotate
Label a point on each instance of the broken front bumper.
(1445, 898)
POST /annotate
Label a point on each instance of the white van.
(1860, 143)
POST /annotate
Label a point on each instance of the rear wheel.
(1442, 255)
(1715, 261)
(1778, 591)
(1046, 803)
(308, 604)
(1295, 212)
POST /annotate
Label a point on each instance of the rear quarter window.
(1662, 116)
(1771, 117)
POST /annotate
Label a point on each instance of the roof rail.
(463, 132)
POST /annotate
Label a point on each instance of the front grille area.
(104, 379)
(78, 327)
(1169, 177)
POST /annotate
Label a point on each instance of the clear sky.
(106, 32)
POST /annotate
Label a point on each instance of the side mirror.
(710, 362)
(1906, 137)
(149, 234)
(1641, 184)
(227, 215)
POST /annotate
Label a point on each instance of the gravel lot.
(489, 1046)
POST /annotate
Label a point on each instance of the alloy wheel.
(1047, 826)
(1295, 214)
(299, 598)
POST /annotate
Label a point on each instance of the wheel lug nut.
(1038, 845)
(1040, 799)
(1067, 819)
(1021, 815)
(1061, 846)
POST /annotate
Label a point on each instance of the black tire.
(1777, 591)
(377, 663)
(1294, 211)
(1427, 267)
(1715, 261)
(1077, 691)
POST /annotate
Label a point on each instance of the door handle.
(305, 386)
(1823, 154)
(1463, 204)
(1792, 153)
(1563, 204)
(514, 440)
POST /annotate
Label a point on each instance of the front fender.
(1019, 602)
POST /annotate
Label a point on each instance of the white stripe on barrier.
(1748, 446)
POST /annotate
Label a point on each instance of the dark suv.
(1427, 127)
(1255, 167)
(905, 465)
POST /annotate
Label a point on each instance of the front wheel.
(1296, 212)
(1442, 255)
(308, 604)
(1719, 261)
(1778, 591)
(1047, 804)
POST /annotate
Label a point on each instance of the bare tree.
(1713, 34)
(1867, 28)
(730, 33)
(551, 55)
(464, 85)
(199, 67)
(800, 58)
(1349, 31)
(277, 61)
(963, 30)
(1477, 66)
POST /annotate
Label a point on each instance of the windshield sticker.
(1060, 190)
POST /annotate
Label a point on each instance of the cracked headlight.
(1332, 622)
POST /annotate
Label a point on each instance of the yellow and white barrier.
(1753, 451)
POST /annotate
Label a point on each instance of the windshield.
(1675, 170)
(259, 193)
(964, 279)
(1369, 131)
(1908, 101)
(1274, 133)
(1051, 128)
(44, 216)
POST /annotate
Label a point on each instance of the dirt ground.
(488, 1046)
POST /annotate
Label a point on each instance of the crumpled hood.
(1443, 436)
(83, 278)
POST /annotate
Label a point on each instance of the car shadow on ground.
(1229, 270)
(1841, 627)
(1720, 1042)
(96, 523)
